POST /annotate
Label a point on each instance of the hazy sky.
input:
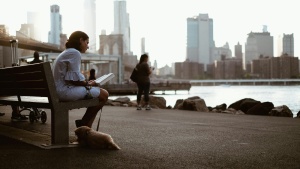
(163, 22)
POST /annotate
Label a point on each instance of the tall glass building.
(200, 40)
(90, 23)
(288, 44)
(55, 25)
(258, 44)
(121, 23)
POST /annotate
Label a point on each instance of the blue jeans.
(143, 87)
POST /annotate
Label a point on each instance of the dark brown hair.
(74, 40)
(143, 58)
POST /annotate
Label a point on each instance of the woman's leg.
(91, 112)
(139, 94)
(146, 93)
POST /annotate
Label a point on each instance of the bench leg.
(60, 127)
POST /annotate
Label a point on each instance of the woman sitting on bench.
(70, 82)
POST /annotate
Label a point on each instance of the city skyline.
(163, 23)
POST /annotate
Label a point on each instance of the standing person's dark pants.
(143, 87)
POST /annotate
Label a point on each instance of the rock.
(220, 107)
(122, 99)
(233, 111)
(178, 102)
(261, 109)
(194, 104)
(244, 104)
(115, 104)
(125, 105)
(155, 102)
(169, 107)
(132, 103)
(282, 111)
(109, 102)
(194, 98)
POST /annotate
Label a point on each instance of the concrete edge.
(32, 138)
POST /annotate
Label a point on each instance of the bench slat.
(23, 84)
(27, 101)
(42, 92)
(21, 69)
(37, 75)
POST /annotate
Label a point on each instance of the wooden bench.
(33, 86)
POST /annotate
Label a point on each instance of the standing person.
(36, 58)
(92, 74)
(143, 81)
(70, 82)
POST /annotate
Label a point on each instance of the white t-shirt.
(67, 67)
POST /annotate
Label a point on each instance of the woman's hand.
(83, 83)
(92, 83)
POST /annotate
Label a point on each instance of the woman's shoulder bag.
(134, 75)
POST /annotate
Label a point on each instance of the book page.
(105, 78)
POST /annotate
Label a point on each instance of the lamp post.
(14, 52)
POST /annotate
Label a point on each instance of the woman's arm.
(83, 83)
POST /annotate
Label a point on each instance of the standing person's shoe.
(139, 107)
(148, 107)
(19, 118)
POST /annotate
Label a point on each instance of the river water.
(216, 95)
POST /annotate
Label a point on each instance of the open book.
(105, 78)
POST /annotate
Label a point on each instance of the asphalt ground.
(158, 139)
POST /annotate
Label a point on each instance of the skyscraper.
(238, 53)
(279, 45)
(200, 41)
(35, 19)
(143, 47)
(121, 23)
(258, 44)
(55, 25)
(288, 44)
(90, 23)
(26, 31)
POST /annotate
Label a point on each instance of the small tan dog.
(94, 139)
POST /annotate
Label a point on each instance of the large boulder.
(155, 102)
(122, 100)
(244, 104)
(178, 102)
(282, 111)
(193, 98)
(261, 109)
(194, 104)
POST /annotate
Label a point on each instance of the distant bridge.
(30, 44)
(217, 82)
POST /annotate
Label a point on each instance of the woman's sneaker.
(139, 107)
(148, 107)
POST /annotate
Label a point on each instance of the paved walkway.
(159, 139)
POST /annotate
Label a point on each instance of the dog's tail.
(113, 146)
